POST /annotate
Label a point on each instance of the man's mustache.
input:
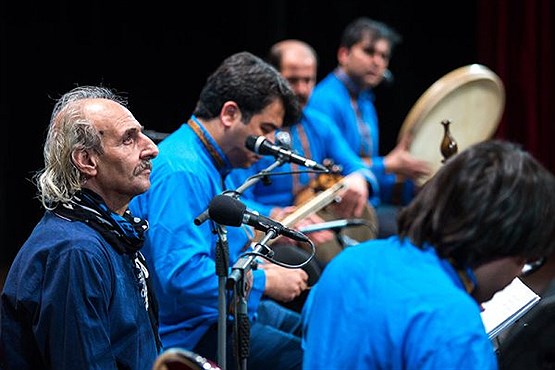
(145, 165)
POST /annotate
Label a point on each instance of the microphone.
(335, 225)
(261, 145)
(283, 139)
(199, 220)
(229, 211)
(388, 77)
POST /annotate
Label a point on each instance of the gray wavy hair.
(69, 131)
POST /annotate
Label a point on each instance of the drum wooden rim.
(446, 85)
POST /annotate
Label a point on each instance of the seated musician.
(314, 137)
(346, 95)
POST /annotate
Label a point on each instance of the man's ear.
(342, 54)
(230, 113)
(85, 163)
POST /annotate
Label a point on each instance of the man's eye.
(370, 51)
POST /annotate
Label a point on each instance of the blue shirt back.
(385, 304)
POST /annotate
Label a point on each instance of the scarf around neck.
(125, 233)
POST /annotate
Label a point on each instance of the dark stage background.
(161, 55)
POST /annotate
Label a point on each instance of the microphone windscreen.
(388, 77)
(283, 138)
(251, 143)
(226, 210)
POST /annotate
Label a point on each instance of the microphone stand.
(200, 219)
(242, 325)
(254, 179)
(222, 265)
(237, 282)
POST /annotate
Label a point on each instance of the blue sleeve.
(388, 183)
(183, 254)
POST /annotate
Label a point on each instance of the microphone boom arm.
(200, 219)
(254, 179)
(244, 264)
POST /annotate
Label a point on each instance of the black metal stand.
(222, 267)
(237, 282)
(222, 263)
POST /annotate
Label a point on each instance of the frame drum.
(472, 98)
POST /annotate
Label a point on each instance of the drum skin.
(472, 98)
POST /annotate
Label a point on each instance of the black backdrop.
(160, 56)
